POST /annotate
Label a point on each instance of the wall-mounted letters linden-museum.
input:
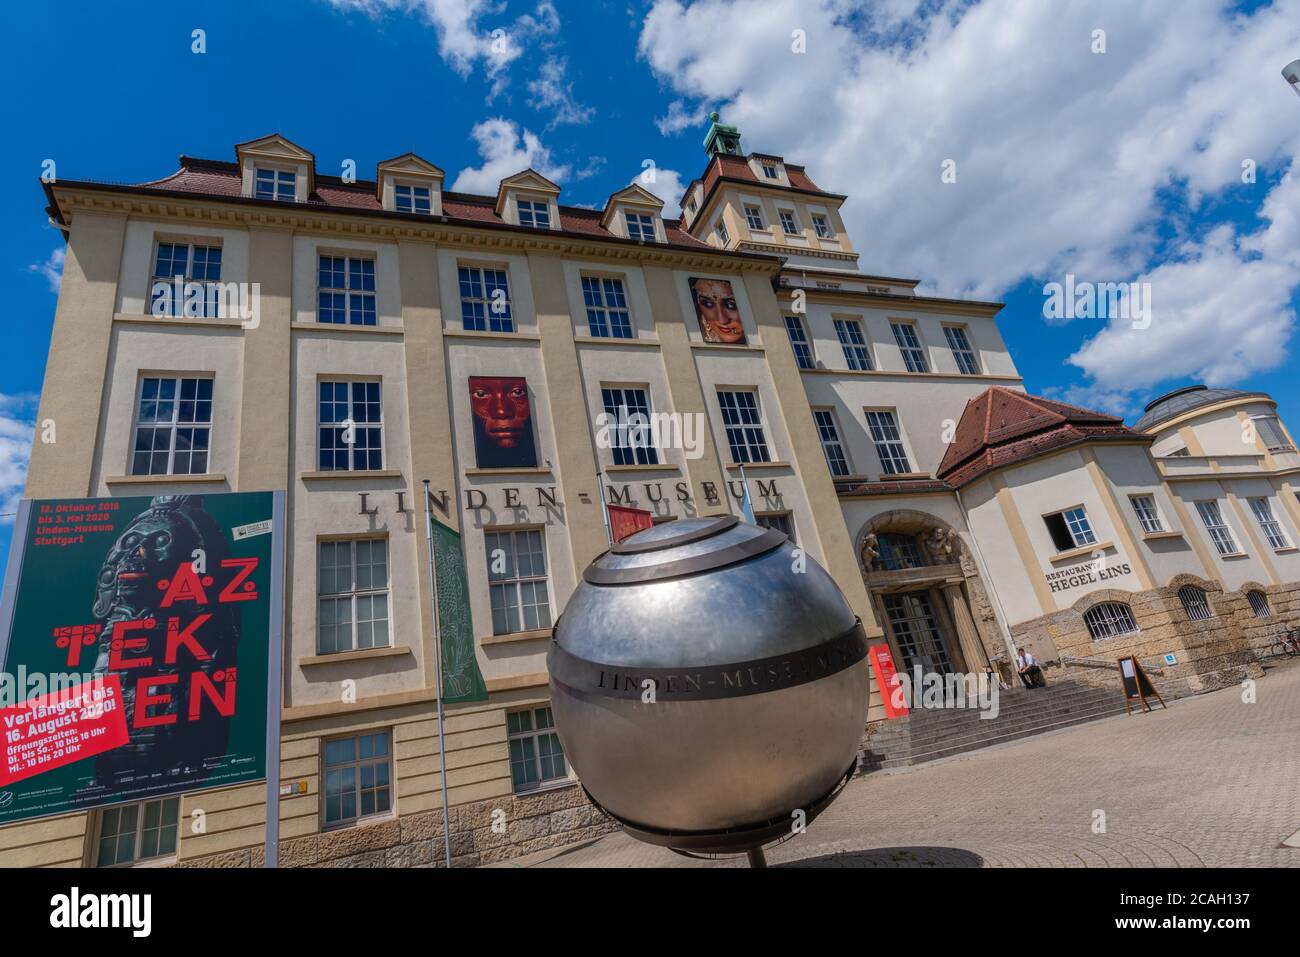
(503, 422)
(716, 310)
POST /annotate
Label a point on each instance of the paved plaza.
(1212, 781)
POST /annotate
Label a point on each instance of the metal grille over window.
(607, 315)
(520, 597)
(856, 355)
(1109, 620)
(173, 427)
(1194, 603)
(910, 346)
(485, 299)
(803, 356)
(740, 418)
(1259, 604)
(536, 757)
(346, 291)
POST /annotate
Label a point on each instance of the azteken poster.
(136, 660)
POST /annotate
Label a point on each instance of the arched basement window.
(1194, 603)
(1259, 604)
(1110, 619)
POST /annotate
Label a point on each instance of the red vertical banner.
(882, 664)
(624, 521)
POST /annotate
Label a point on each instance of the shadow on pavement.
(893, 857)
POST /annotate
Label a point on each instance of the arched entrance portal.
(926, 590)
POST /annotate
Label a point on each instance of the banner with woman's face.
(503, 422)
(716, 310)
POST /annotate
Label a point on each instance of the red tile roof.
(737, 167)
(221, 179)
(1000, 427)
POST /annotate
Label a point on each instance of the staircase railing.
(1112, 664)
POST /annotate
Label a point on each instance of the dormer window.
(413, 199)
(822, 225)
(640, 226)
(275, 184)
(533, 214)
(770, 171)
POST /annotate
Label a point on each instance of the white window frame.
(822, 225)
(1148, 515)
(141, 807)
(789, 222)
(887, 439)
(354, 298)
(356, 764)
(627, 442)
(174, 425)
(853, 340)
(511, 585)
(770, 171)
(754, 217)
(828, 431)
(506, 318)
(211, 304)
(751, 436)
(353, 592)
(277, 191)
(535, 733)
(351, 383)
(802, 346)
(908, 339)
(1281, 443)
(1220, 532)
(539, 212)
(640, 226)
(1269, 524)
(1079, 526)
(721, 229)
(963, 353)
(414, 190)
(610, 305)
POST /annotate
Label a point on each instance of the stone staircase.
(927, 735)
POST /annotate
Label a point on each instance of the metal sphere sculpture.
(709, 685)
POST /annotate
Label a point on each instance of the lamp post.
(1291, 73)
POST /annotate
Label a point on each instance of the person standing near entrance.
(1030, 672)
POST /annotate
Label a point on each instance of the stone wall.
(531, 822)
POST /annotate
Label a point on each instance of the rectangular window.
(769, 171)
(173, 427)
(910, 346)
(346, 291)
(517, 581)
(640, 226)
(822, 225)
(350, 427)
(132, 833)
(888, 442)
(485, 299)
(413, 199)
(967, 362)
(536, 757)
(743, 425)
(1070, 529)
(607, 314)
(754, 217)
(788, 222)
(535, 214)
(190, 264)
(630, 437)
(856, 355)
(275, 184)
(721, 230)
(1270, 430)
(358, 778)
(1144, 507)
(803, 356)
(1220, 533)
(836, 460)
(780, 521)
(352, 595)
(1270, 526)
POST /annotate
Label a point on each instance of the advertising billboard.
(134, 642)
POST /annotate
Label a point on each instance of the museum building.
(402, 332)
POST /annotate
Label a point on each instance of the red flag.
(624, 521)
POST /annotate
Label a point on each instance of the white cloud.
(550, 92)
(463, 41)
(17, 415)
(52, 268)
(681, 117)
(1064, 158)
(505, 151)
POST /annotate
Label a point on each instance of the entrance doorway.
(916, 631)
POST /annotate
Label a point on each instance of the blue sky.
(1120, 165)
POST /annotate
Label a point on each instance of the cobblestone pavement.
(1211, 781)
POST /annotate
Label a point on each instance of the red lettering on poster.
(51, 730)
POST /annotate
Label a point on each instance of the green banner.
(461, 678)
(135, 661)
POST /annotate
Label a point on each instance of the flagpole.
(745, 500)
(604, 507)
(437, 666)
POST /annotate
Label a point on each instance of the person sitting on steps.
(1030, 672)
